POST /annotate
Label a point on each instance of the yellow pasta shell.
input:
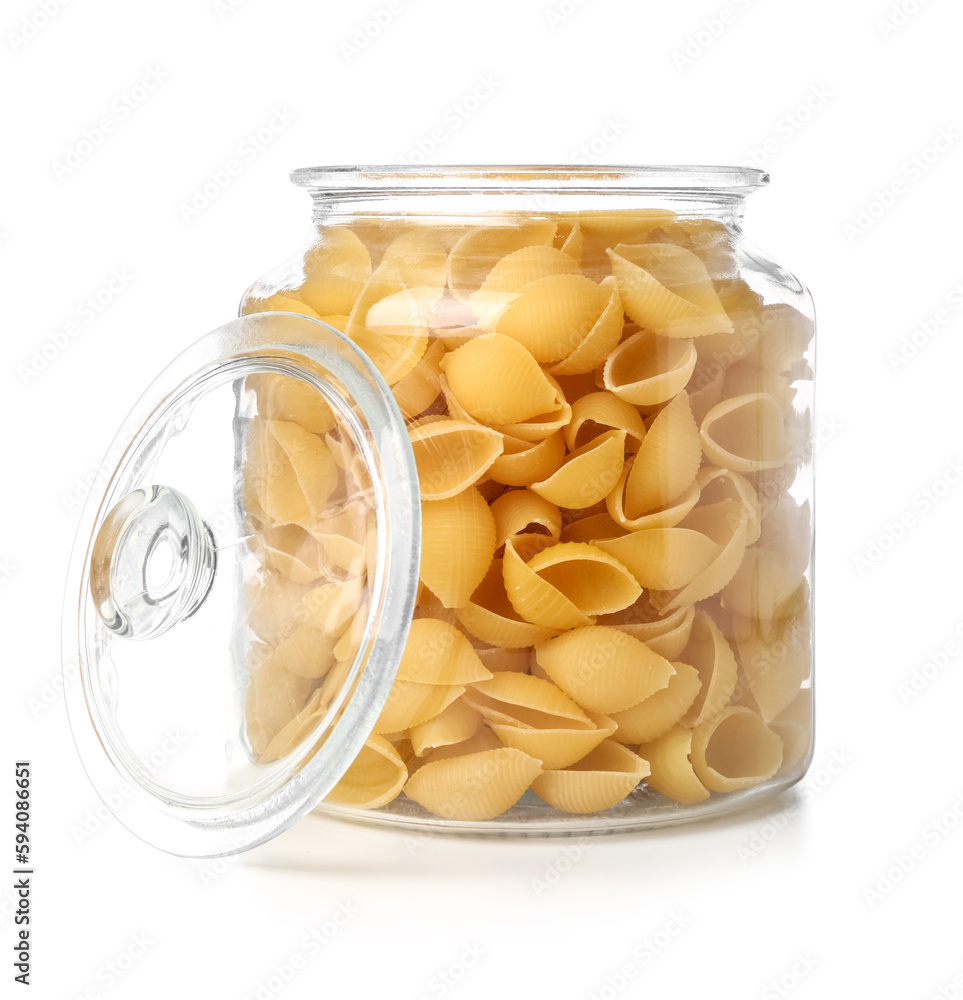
(599, 342)
(588, 474)
(477, 786)
(785, 337)
(794, 726)
(478, 251)
(271, 603)
(552, 316)
(417, 258)
(455, 724)
(667, 461)
(451, 455)
(294, 733)
(499, 659)
(279, 302)
(711, 655)
(521, 700)
(374, 778)
(745, 378)
(511, 274)
(495, 380)
(597, 411)
(458, 543)
(556, 747)
(288, 549)
(280, 397)
(657, 714)
(667, 290)
(417, 390)
(776, 667)
(596, 582)
(735, 749)
(763, 585)
(573, 242)
(705, 389)
(672, 773)
(437, 653)
(601, 779)
(307, 651)
(591, 528)
(663, 558)
(647, 370)
(516, 510)
(603, 669)
(536, 600)
(336, 270)
(275, 695)
(522, 462)
(716, 485)
(544, 424)
(662, 517)
(410, 704)
(745, 434)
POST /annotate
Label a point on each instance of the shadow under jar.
(608, 397)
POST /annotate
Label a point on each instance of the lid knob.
(152, 563)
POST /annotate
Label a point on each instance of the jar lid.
(240, 594)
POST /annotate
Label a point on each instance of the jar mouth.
(689, 179)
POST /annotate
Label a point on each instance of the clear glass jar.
(536, 560)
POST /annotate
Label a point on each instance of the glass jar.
(491, 513)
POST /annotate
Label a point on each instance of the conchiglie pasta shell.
(742, 305)
(746, 377)
(409, 704)
(511, 274)
(477, 786)
(558, 747)
(307, 652)
(478, 251)
(588, 474)
(417, 258)
(573, 243)
(519, 699)
(544, 424)
(280, 397)
(331, 606)
(657, 714)
(271, 603)
(596, 582)
(775, 668)
(536, 600)
(666, 636)
(517, 510)
(794, 727)
(288, 549)
(495, 380)
(662, 517)
(417, 390)
(455, 724)
(607, 227)
(294, 733)
(745, 434)
(716, 485)
(705, 390)
(374, 778)
(600, 780)
(763, 585)
(490, 617)
(522, 462)
(275, 695)
(458, 543)
(483, 739)
(451, 455)
(603, 411)
(552, 316)
(666, 289)
(663, 558)
(711, 655)
(437, 653)
(603, 669)
(672, 773)
(734, 750)
(647, 370)
(667, 461)
(599, 342)
(785, 336)
(591, 529)
(279, 302)
(336, 270)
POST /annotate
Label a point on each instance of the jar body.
(608, 395)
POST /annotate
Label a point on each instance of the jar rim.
(648, 178)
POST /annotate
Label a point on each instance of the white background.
(754, 898)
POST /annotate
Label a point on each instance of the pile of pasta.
(613, 592)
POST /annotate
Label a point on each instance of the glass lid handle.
(152, 563)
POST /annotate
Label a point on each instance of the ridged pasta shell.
(794, 726)
(490, 617)
(763, 585)
(667, 461)
(552, 316)
(518, 510)
(417, 258)
(496, 381)
(331, 606)
(742, 305)
(663, 517)
(451, 455)
(410, 704)
(672, 773)
(417, 390)
(573, 242)
(785, 337)
(666, 289)
(597, 411)
(663, 558)
(478, 251)
(666, 636)
(437, 653)
(288, 549)
(599, 342)
(657, 714)
(477, 786)
(271, 603)
(279, 302)
(336, 270)
(556, 747)
(455, 724)
(591, 529)
(745, 378)
(294, 733)
(735, 749)
(603, 669)
(307, 652)
(544, 424)
(511, 274)
(716, 485)
(711, 655)
(274, 697)
(280, 397)
(522, 462)
(745, 434)
(600, 780)
(776, 667)
(482, 740)
(536, 600)
(373, 779)
(458, 543)
(705, 390)
(521, 700)
(647, 370)
(588, 474)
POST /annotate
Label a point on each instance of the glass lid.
(240, 594)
